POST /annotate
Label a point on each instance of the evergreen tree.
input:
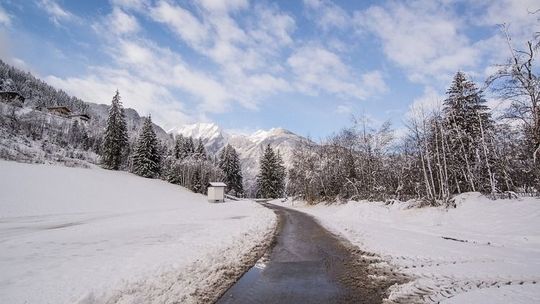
(116, 137)
(146, 158)
(77, 136)
(465, 108)
(188, 147)
(178, 147)
(200, 151)
(271, 178)
(280, 175)
(229, 162)
(467, 125)
(197, 180)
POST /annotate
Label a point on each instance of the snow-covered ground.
(74, 235)
(491, 253)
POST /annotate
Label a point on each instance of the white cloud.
(181, 21)
(273, 28)
(518, 14)
(149, 76)
(223, 6)
(327, 15)
(145, 96)
(424, 38)
(166, 68)
(430, 39)
(317, 69)
(56, 12)
(5, 18)
(344, 109)
(7, 54)
(374, 81)
(246, 55)
(122, 23)
(131, 4)
(216, 34)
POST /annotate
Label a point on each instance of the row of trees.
(185, 163)
(449, 150)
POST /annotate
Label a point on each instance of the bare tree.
(518, 82)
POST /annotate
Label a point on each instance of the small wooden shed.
(216, 192)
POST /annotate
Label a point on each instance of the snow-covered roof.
(218, 184)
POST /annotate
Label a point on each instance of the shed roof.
(218, 184)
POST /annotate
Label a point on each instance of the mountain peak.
(261, 135)
(203, 130)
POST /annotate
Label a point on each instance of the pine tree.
(178, 147)
(281, 174)
(197, 180)
(77, 136)
(468, 122)
(116, 137)
(271, 178)
(200, 151)
(188, 147)
(465, 108)
(229, 162)
(146, 158)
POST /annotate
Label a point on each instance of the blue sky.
(307, 66)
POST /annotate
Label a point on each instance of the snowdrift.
(73, 235)
(483, 251)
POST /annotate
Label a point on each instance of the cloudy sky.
(303, 65)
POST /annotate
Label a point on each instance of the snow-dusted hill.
(250, 147)
(73, 235)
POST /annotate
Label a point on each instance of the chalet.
(80, 117)
(216, 192)
(11, 97)
(60, 111)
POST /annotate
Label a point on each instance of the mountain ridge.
(250, 147)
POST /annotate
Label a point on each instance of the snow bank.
(483, 251)
(73, 235)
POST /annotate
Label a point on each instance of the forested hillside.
(30, 133)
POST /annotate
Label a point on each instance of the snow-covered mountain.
(250, 147)
(211, 134)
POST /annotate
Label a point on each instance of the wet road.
(307, 265)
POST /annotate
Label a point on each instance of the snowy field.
(73, 235)
(491, 253)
